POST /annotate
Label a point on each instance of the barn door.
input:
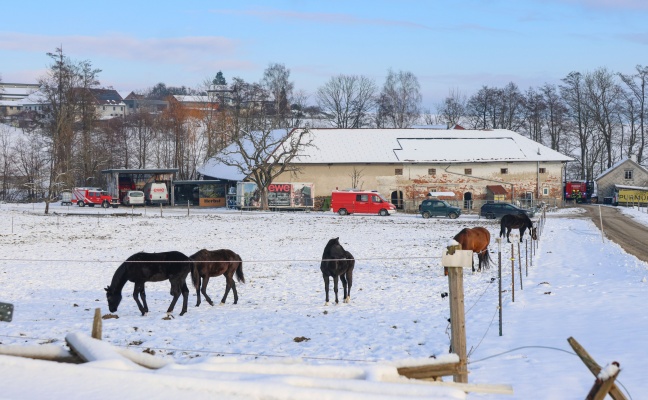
(468, 200)
(397, 199)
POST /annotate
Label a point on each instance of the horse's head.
(534, 234)
(113, 299)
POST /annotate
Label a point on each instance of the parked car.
(360, 202)
(438, 208)
(498, 210)
(133, 198)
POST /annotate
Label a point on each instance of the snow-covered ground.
(54, 270)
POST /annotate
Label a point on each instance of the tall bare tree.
(276, 81)
(555, 115)
(453, 108)
(63, 87)
(348, 99)
(264, 154)
(637, 85)
(603, 95)
(399, 103)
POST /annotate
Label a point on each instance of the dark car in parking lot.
(498, 210)
(438, 208)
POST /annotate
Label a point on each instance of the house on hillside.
(626, 172)
(108, 103)
(406, 164)
(16, 98)
(139, 103)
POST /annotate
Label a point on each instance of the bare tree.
(348, 99)
(555, 115)
(534, 106)
(453, 108)
(356, 178)
(399, 104)
(276, 81)
(603, 102)
(637, 85)
(479, 108)
(263, 155)
(575, 96)
(64, 87)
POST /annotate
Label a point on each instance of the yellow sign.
(212, 202)
(633, 196)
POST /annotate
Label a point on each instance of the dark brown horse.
(337, 262)
(151, 267)
(215, 263)
(476, 239)
(517, 221)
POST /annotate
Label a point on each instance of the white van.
(156, 193)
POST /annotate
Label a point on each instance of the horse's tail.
(487, 259)
(239, 270)
(195, 277)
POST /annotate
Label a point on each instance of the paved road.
(621, 229)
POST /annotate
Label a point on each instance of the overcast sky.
(459, 44)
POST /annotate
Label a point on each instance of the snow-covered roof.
(617, 165)
(379, 146)
(341, 146)
(215, 169)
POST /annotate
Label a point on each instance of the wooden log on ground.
(47, 352)
(429, 371)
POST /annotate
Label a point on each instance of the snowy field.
(54, 270)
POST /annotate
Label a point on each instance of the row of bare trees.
(597, 117)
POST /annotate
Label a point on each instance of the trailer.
(281, 196)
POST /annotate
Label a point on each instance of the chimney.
(633, 157)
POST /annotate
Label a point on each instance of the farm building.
(404, 165)
(626, 172)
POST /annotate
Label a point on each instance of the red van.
(346, 202)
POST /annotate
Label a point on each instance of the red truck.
(346, 202)
(93, 196)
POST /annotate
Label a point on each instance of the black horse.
(214, 263)
(337, 262)
(515, 221)
(151, 267)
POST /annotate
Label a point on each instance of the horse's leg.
(326, 287)
(229, 281)
(349, 277)
(344, 287)
(203, 289)
(138, 290)
(175, 292)
(198, 291)
(522, 232)
(185, 298)
(479, 261)
(508, 232)
(335, 287)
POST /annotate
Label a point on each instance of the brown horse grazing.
(151, 267)
(337, 262)
(515, 221)
(214, 263)
(475, 239)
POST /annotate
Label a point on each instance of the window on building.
(468, 171)
(432, 171)
(542, 170)
(545, 191)
(504, 171)
(627, 174)
(398, 171)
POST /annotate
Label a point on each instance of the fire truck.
(580, 191)
(83, 196)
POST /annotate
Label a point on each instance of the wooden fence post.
(520, 265)
(526, 255)
(512, 273)
(96, 324)
(594, 368)
(499, 276)
(455, 259)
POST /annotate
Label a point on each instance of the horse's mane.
(119, 278)
(329, 246)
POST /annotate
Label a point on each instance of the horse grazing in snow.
(151, 267)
